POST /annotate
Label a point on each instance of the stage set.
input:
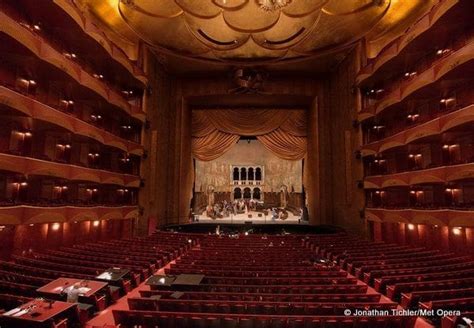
(246, 179)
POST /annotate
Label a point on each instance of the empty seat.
(229, 323)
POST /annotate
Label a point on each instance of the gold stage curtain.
(284, 145)
(200, 124)
(214, 145)
(247, 122)
(282, 131)
(296, 124)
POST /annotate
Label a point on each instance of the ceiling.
(219, 33)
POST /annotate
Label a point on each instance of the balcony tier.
(442, 174)
(95, 33)
(434, 127)
(24, 214)
(40, 48)
(32, 166)
(454, 66)
(37, 110)
(400, 44)
(440, 217)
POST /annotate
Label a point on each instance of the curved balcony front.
(443, 174)
(37, 110)
(90, 28)
(24, 214)
(401, 44)
(434, 127)
(32, 166)
(453, 66)
(439, 217)
(41, 49)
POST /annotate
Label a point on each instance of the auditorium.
(237, 163)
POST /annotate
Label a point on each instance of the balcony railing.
(427, 63)
(93, 82)
(70, 121)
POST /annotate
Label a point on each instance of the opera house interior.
(236, 163)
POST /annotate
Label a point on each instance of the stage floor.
(244, 217)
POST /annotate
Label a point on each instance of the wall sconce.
(55, 226)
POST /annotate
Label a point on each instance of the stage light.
(190, 241)
(411, 227)
(96, 223)
(246, 233)
(55, 226)
(457, 231)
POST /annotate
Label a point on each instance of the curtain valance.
(282, 131)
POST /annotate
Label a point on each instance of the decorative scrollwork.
(272, 5)
(248, 80)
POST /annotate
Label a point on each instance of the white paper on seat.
(11, 312)
(20, 313)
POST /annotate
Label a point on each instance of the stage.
(251, 216)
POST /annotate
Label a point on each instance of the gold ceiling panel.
(241, 31)
(338, 27)
(401, 15)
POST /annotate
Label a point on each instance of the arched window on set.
(235, 174)
(243, 173)
(258, 174)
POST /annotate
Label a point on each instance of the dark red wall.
(433, 237)
(15, 239)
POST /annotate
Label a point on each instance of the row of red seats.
(152, 319)
(247, 284)
(31, 270)
(254, 297)
(251, 307)
(411, 299)
(417, 277)
(175, 270)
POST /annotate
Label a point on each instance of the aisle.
(106, 317)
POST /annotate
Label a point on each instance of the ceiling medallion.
(272, 5)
